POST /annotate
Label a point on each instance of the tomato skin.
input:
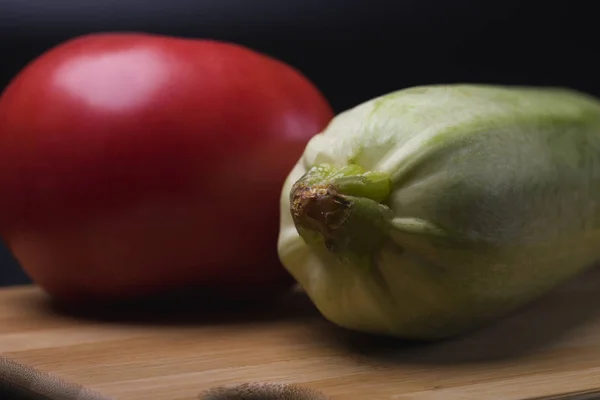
(134, 163)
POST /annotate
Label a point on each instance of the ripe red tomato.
(136, 163)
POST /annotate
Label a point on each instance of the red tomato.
(136, 163)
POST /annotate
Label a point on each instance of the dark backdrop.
(352, 49)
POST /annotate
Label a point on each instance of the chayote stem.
(342, 209)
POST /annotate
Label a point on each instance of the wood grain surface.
(178, 348)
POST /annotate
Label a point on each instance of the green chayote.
(435, 210)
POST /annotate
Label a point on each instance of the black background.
(352, 50)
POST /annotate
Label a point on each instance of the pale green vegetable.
(434, 210)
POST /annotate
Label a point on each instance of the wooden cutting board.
(176, 349)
